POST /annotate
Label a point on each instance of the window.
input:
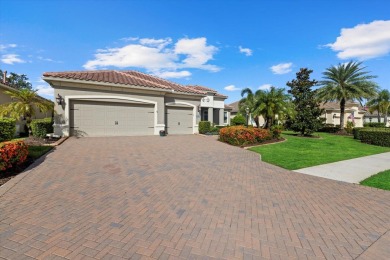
(225, 117)
(206, 115)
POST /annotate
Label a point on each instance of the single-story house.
(374, 118)
(127, 103)
(235, 110)
(353, 113)
(20, 124)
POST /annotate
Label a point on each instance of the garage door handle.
(116, 122)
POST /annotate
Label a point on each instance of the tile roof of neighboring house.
(124, 78)
(234, 106)
(373, 114)
(336, 105)
(228, 107)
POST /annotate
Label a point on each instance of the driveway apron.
(184, 197)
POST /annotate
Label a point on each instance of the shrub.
(355, 132)
(349, 127)
(41, 127)
(376, 136)
(240, 135)
(276, 131)
(204, 127)
(7, 128)
(238, 120)
(374, 125)
(12, 154)
(329, 128)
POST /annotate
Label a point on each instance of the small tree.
(307, 108)
(18, 81)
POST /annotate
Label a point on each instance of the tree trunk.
(379, 116)
(342, 113)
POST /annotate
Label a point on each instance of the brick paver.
(183, 197)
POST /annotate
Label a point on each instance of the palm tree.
(268, 104)
(381, 103)
(346, 82)
(24, 103)
(248, 102)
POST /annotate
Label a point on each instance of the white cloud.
(158, 56)
(246, 51)
(11, 59)
(231, 88)
(198, 53)
(282, 68)
(364, 41)
(45, 91)
(265, 86)
(4, 47)
(173, 74)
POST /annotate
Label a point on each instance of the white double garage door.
(97, 118)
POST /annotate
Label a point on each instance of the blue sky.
(225, 45)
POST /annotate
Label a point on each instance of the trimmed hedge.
(7, 128)
(240, 135)
(329, 128)
(375, 136)
(204, 127)
(41, 127)
(12, 154)
(355, 132)
(381, 125)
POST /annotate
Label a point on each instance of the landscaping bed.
(36, 148)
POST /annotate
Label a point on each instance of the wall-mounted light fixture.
(59, 99)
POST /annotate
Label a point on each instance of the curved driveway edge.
(183, 196)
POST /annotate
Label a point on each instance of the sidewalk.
(352, 171)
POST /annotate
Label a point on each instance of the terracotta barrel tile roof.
(201, 88)
(124, 78)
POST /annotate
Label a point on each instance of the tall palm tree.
(25, 103)
(348, 81)
(267, 103)
(380, 103)
(248, 102)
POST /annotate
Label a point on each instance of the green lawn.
(380, 181)
(37, 151)
(301, 152)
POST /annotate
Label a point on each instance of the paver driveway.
(187, 197)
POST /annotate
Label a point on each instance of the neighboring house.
(235, 110)
(20, 124)
(373, 118)
(127, 103)
(353, 113)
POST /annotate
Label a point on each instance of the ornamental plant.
(240, 135)
(12, 154)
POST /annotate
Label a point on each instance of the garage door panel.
(179, 120)
(93, 118)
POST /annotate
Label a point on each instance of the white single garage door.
(179, 120)
(95, 118)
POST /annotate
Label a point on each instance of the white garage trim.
(66, 128)
(194, 111)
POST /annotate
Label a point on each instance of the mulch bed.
(35, 141)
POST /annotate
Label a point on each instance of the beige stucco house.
(127, 103)
(353, 112)
(20, 124)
